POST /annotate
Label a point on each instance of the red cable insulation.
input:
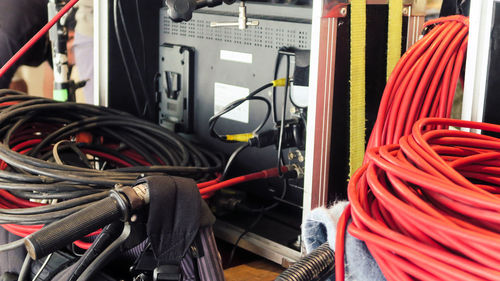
(12, 61)
(426, 201)
(265, 174)
(442, 207)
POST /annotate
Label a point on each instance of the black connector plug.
(264, 139)
(293, 135)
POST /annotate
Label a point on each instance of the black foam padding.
(63, 232)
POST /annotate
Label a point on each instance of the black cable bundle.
(42, 129)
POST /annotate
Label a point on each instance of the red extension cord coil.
(428, 208)
(426, 201)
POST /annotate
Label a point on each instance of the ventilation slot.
(266, 35)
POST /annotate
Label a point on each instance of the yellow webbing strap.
(394, 35)
(357, 118)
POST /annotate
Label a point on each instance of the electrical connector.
(293, 135)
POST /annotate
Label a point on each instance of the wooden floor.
(260, 270)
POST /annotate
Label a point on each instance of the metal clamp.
(242, 23)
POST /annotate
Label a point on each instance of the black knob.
(209, 3)
(181, 10)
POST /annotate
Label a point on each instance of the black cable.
(276, 70)
(101, 260)
(31, 176)
(80, 154)
(109, 151)
(283, 116)
(245, 232)
(141, 34)
(233, 105)
(262, 211)
(283, 51)
(103, 240)
(231, 159)
(58, 206)
(134, 60)
(213, 120)
(228, 108)
(125, 63)
(47, 259)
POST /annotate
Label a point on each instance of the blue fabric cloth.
(320, 226)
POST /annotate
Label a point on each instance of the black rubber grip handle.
(63, 232)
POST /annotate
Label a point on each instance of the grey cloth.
(10, 261)
(321, 226)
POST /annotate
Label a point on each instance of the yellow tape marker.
(240, 137)
(357, 88)
(279, 83)
(394, 36)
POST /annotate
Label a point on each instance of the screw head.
(133, 218)
(343, 11)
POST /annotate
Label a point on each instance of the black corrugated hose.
(316, 266)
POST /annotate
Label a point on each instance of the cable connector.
(293, 135)
(264, 139)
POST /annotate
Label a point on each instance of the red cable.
(206, 189)
(265, 174)
(107, 156)
(37, 37)
(423, 82)
(426, 201)
(420, 218)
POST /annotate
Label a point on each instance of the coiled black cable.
(123, 145)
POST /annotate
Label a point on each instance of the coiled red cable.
(428, 208)
(426, 201)
(423, 83)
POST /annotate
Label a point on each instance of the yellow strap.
(358, 62)
(240, 137)
(394, 37)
